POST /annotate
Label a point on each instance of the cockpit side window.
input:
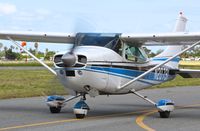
(115, 45)
(135, 53)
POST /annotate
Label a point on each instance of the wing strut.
(159, 65)
(45, 65)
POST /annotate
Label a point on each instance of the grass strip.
(28, 83)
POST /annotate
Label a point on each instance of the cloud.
(7, 9)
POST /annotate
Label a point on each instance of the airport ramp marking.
(140, 119)
(70, 120)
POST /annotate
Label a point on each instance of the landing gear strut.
(164, 106)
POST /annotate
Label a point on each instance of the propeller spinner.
(69, 59)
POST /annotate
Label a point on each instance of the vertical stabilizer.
(172, 50)
(179, 27)
(180, 23)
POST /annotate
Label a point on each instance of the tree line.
(13, 53)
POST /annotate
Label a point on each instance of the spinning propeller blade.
(69, 59)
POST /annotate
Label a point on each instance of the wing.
(176, 38)
(187, 73)
(38, 36)
(141, 39)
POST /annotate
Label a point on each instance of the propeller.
(69, 59)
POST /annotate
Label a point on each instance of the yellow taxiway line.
(140, 119)
(38, 124)
(69, 120)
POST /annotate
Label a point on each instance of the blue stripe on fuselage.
(164, 59)
(120, 75)
(126, 72)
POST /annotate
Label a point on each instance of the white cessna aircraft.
(110, 64)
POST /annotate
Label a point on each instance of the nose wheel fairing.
(81, 109)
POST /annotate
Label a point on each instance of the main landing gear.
(164, 106)
(56, 103)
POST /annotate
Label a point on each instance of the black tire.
(80, 116)
(55, 109)
(164, 114)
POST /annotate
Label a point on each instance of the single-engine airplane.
(113, 63)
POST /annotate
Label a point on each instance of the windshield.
(95, 39)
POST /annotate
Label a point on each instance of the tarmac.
(107, 113)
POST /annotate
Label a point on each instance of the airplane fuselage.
(106, 71)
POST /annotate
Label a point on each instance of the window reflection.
(134, 53)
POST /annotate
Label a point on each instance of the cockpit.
(131, 52)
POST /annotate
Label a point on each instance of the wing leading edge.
(176, 38)
(38, 36)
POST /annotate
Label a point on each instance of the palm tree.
(12, 47)
(46, 51)
(36, 48)
(1, 45)
(5, 48)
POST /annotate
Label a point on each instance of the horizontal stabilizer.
(188, 73)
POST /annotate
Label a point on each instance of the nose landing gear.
(81, 108)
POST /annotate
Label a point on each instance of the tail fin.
(179, 27)
(180, 23)
(172, 50)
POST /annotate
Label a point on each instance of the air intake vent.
(82, 59)
(58, 61)
(57, 58)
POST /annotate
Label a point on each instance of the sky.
(120, 16)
